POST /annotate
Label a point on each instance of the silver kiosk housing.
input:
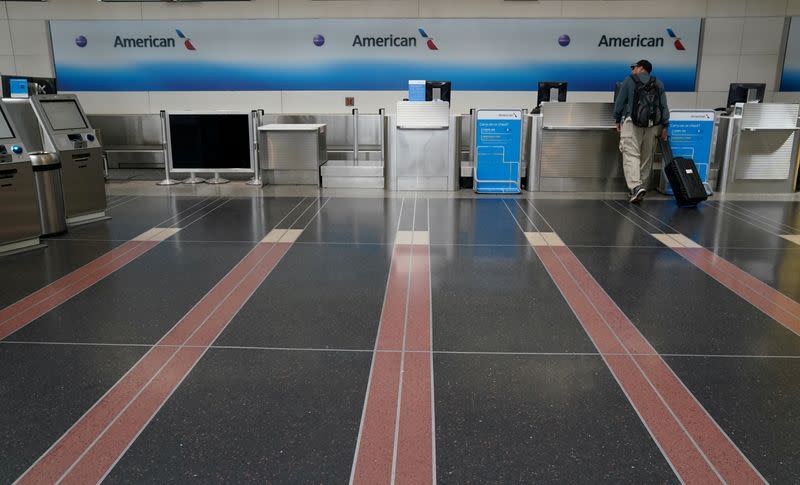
(19, 209)
(67, 133)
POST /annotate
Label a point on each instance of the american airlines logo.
(640, 41)
(149, 42)
(392, 40)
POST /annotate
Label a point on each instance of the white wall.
(742, 42)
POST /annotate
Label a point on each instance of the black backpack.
(646, 103)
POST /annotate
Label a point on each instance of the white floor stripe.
(157, 234)
(676, 240)
(165, 233)
(792, 238)
(685, 241)
(274, 236)
(291, 235)
(667, 240)
(421, 238)
(544, 239)
(535, 239)
(552, 239)
(404, 237)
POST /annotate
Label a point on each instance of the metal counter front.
(422, 152)
(294, 153)
(354, 147)
(130, 141)
(575, 147)
(757, 148)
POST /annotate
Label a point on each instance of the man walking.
(641, 114)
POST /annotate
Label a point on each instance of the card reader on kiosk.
(67, 133)
(19, 210)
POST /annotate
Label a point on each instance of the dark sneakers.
(637, 195)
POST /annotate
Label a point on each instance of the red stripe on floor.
(376, 442)
(184, 329)
(66, 281)
(418, 335)
(725, 457)
(375, 454)
(45, 304)
(595, 327)
(765, 298)
(105, 452)
(101, 433)
(687, 460)
(756, 284)
(405, 325)
(415, 435)
(390, 331)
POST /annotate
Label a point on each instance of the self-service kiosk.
(66, 131)
(19, 211)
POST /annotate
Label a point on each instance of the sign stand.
(193, 179)
(217, 180)
(691, 135)
(498, 151)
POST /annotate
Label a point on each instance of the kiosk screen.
(5, 128)
(64, 114)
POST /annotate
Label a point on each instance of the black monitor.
(746, 93)
(209, 141)
(437, 90)
(546, 89)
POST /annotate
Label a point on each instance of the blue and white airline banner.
(498, 150)
(790, 79)
(368, 54)
(690, 136)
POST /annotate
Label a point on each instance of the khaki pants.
(637, 145)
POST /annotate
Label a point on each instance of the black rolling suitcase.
(683, 177)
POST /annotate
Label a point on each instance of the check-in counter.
(575, 147)
(294, 153)
(757, 148)
(422, 150)
(467, 143)
(130, 140)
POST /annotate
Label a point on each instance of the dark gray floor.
(520, 393)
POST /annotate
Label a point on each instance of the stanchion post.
(255, 121)
(382, 117)
(165, 150)
(472, 135)
(355, 136)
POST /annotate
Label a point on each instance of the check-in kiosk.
(19, 212)
(67, 133)
(575, 147)
(422, 149)
(757, 148)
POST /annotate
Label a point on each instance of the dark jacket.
(623, 106)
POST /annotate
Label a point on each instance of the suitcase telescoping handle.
(666, 150)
